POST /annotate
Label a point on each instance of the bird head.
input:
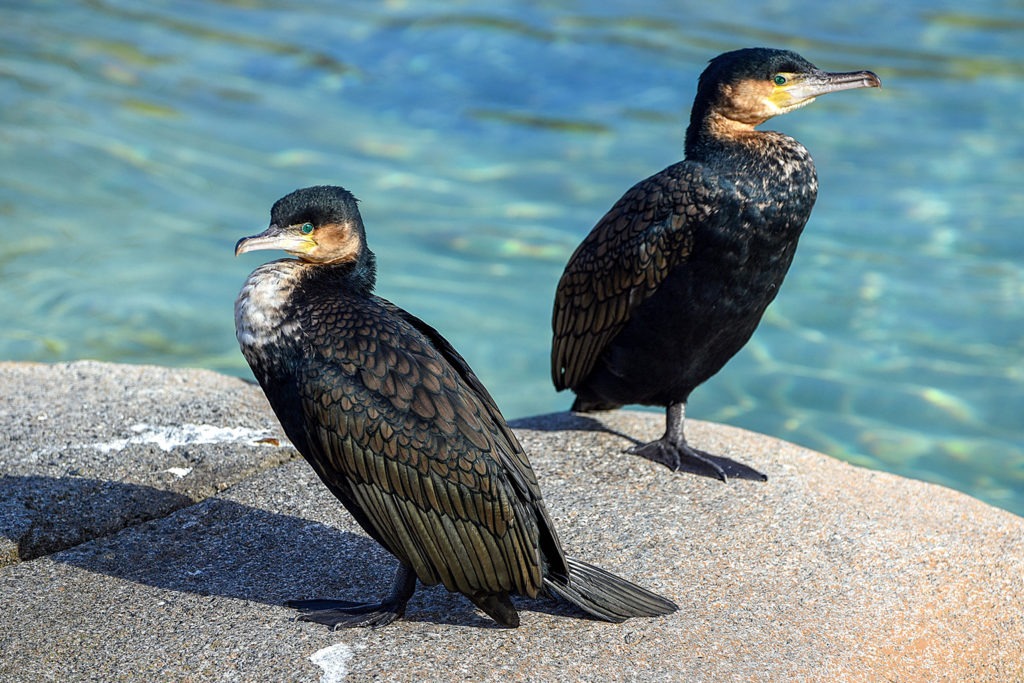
(315, 224)
(751, 85)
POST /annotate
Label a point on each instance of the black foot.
(343, 614)
(684, 457)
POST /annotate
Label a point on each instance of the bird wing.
(510, 452)
(621, 263)
(417, 453)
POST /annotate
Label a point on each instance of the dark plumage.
(673, 281)
(399, 428)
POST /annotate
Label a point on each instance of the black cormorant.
(399, 428)
(674, 279)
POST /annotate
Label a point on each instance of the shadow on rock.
(223, 548)
(588, 422)
(568, 421)
(43, 515)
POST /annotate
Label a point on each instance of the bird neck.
(359, 276)
(712, 133)
(740, 151)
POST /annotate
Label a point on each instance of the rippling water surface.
(140, 140)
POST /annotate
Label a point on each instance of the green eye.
(780, 80)
(306, 228)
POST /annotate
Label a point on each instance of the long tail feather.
(605, 595)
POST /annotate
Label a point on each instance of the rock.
(90, 448)
(824, 572)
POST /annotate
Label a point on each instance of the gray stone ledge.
(90, 448)
(825, 572)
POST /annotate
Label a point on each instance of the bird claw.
(345, 614)
(675, 457)
(682, 456)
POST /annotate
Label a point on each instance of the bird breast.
(262, 308)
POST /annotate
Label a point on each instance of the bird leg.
(673, 451)
(498, 607)
(344, 614)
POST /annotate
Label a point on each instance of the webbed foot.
(344, 614)
(682, 456)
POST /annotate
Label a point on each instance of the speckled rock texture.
(87, 449)
(155, 520)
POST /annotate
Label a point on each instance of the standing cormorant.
(672, 282)
(399, 428)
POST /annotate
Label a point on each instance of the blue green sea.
(140, 140)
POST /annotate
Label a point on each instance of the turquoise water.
(140, 140)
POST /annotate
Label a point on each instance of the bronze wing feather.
(420, 454)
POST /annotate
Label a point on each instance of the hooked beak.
(286, 239)
(806, 89)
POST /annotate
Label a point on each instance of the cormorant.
(674, 279)
(400, 429)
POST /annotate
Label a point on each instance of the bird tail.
(605, 595)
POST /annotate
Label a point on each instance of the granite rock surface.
(153, 521)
